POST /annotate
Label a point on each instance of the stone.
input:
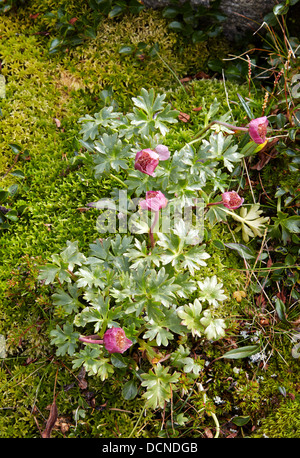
(243, 16)
(163, 3)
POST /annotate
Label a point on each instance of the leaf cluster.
(195, 24)
(122, 282)
(72, 31)
(115, 285)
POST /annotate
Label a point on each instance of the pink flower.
(147, 159)
(258, 129)
(232, 200)
(115, 340)
(155, 200)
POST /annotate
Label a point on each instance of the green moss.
(283, 423)
(89, 410)
(202, 93)
(267, 394)
(280, 393)
(40, 90)
(99, 63)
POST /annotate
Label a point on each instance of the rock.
(243, 16)
(163, 3)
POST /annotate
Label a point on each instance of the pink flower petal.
(115, 340)
(163, 152)
(258, 129)
(232, 200)
(155, 200)
(146, 161)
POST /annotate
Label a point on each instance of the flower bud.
(146, 161)
(258, 129)
(232, 200)
(115, 340)
(155, 200)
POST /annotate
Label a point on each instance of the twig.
(249, 181)
(257, 257)
(139, 419)
(14, 163)
(172, 71)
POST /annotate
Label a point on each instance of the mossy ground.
(40, 90)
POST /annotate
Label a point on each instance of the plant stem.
(202, 131)
(152, 229)
(172, 71)
(230, 126)
(72, 274)
(278, 204)
(89, 339)
(139, 419)
(214, 203)
(119, 180)
(217, 424)
(211, 413)
(236, 216)
(225, 124)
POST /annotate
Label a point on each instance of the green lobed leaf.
(159, 384)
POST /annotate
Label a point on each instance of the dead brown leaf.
(62, 424)
(184, 117)
(296, 322)
(57, 122)
(263, 320)
(201, 75)
(82, 383)
(267, 153)
(186, 79)
(83, 209)
(231, 435)
(208, 433)
(281, 295)
(261, 301)
(73, 20)
(34, 16)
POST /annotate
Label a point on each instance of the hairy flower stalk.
(155, 201)
(257, 129)
(147, 159)
(91, 339)
(114, 340)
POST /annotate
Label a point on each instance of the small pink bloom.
(232, 200)
(115, 340)
(163, 152)
(155, 200)
(146, 161)
(258, 129)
